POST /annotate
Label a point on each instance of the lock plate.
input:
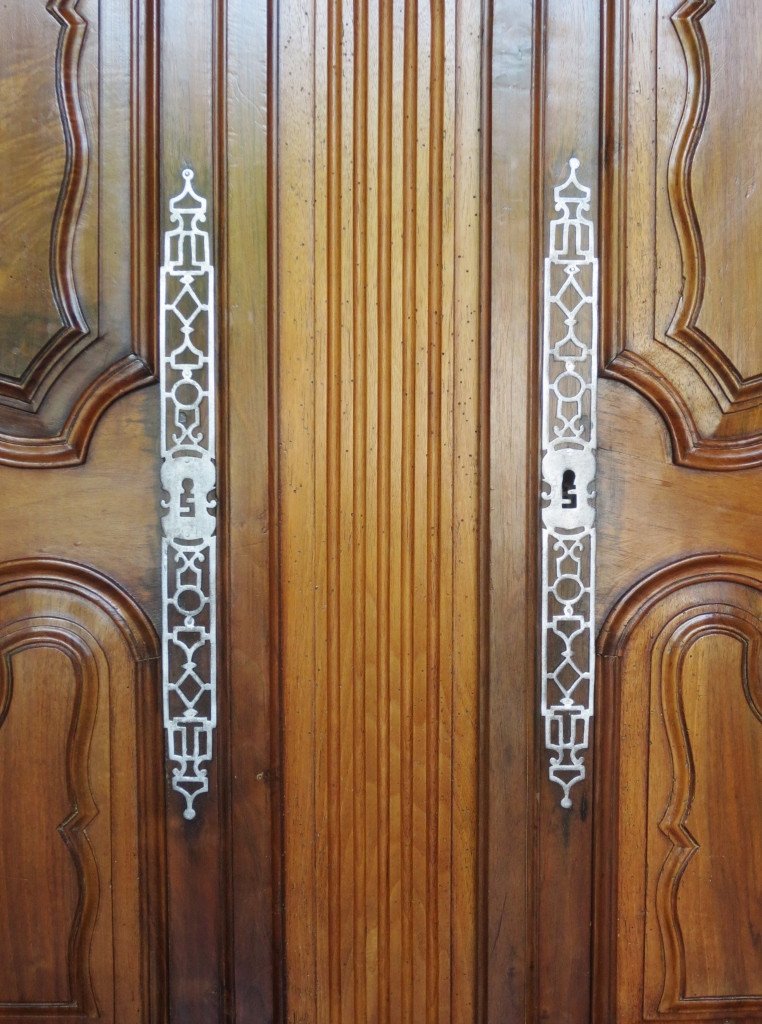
(569, 393)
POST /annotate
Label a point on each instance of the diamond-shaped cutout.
(567, 676)
(570, 285)
(187, 305)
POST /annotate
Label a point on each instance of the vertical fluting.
(333, 500)
(385, 154)
(433, 505)
(408, 470)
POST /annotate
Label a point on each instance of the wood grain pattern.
(55, 386)
(24, 386)
(677, 900)
(379, 397)
(712, 409)
(74, 942)
(687, 763)
(80, 733)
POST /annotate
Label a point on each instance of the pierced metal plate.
(569, 391)
(189, 477)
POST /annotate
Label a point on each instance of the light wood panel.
(378, 317)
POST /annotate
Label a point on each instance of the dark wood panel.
(44, 155)
(77, 221)
(50, 686)
(80, 745)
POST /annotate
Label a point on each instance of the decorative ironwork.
(188, 475)
(569, 388)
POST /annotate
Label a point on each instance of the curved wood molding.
(69, 446)
(674, 823)
(737, 442)
(113, 650)
(63, 576)
(53, 634)
(26, 391)
(684, 329)
(727, 566)
(687, 622)
(48, 415)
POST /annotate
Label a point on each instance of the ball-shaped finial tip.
(188, 174)
(189, 814)
(566, 802)
(574, 163)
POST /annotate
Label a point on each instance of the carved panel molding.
(44, 634)
(700, 624)
(662, 259)
(26, 388)
(680, 667)
(78, 295)
(80, 737)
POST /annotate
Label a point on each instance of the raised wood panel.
(678, 897)
(77, 220)
(44, 155)
(378, 430)
(681, 217)
(80, 769)
(51, 694)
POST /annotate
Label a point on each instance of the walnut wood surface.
(83, 810)
(681, 219)
(78, 221)
(378, 424)
(380, 843)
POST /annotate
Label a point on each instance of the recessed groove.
(333, 504)
(433, 505)
(407, 646)
(385, 154)
(359, 484)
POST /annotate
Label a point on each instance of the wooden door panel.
(378, 425)
(77, 220)
(681, 218)
(81, 837)
(678, 858)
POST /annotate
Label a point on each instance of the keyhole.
(568, 489)
(187, 502)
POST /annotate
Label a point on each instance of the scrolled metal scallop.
(569, 393)
(189, 478)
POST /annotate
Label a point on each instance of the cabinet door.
(82, 846)
(678, 895)
(638, 898)
(116, 906)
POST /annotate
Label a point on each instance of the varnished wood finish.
(681, 221)
(681, 655)
(676, 905)
(205, 952)
(379, 398)
(79, 158)
(79, 739)
(380, 843)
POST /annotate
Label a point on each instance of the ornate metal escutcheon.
(569, 389)
(189, 476)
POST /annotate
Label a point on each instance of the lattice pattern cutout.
(189, 476)
(569, 389)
